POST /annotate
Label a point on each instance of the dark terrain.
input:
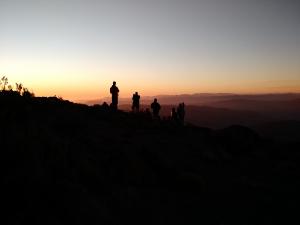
(66, 163)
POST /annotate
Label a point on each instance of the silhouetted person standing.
(136, 102)
(114, 90)
(174, 115)
(155, 106)
(181, 112)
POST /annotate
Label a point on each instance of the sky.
(76, 48)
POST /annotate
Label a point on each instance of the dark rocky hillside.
(65, 163)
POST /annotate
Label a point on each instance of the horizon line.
(174, 95)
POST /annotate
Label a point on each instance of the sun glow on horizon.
(76, 49)
(89, 85)
(80, 81)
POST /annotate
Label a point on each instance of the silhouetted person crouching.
(155, 106)
(136, 102)
(105, 106)
(114, 90)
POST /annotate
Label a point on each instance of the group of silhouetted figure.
(177, 115)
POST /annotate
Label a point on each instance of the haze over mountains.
(210, 99)
(266, 113)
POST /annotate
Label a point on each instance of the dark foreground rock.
(64, 163)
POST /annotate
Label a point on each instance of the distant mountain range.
(205, 98)
(223, 109)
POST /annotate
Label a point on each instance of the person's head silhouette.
(114, 83)
(136, 93)
(155, 100)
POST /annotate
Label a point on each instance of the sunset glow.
(75, 49)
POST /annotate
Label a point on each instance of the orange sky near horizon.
(76, 49)
(95, 85)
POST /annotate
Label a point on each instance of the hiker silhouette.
(136, 102)
(105, 105)
(114, 90)
(174, 115)
(155, 106)
(181, 112)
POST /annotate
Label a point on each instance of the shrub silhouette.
(4, 82)
(27, 94)
(19, 88)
